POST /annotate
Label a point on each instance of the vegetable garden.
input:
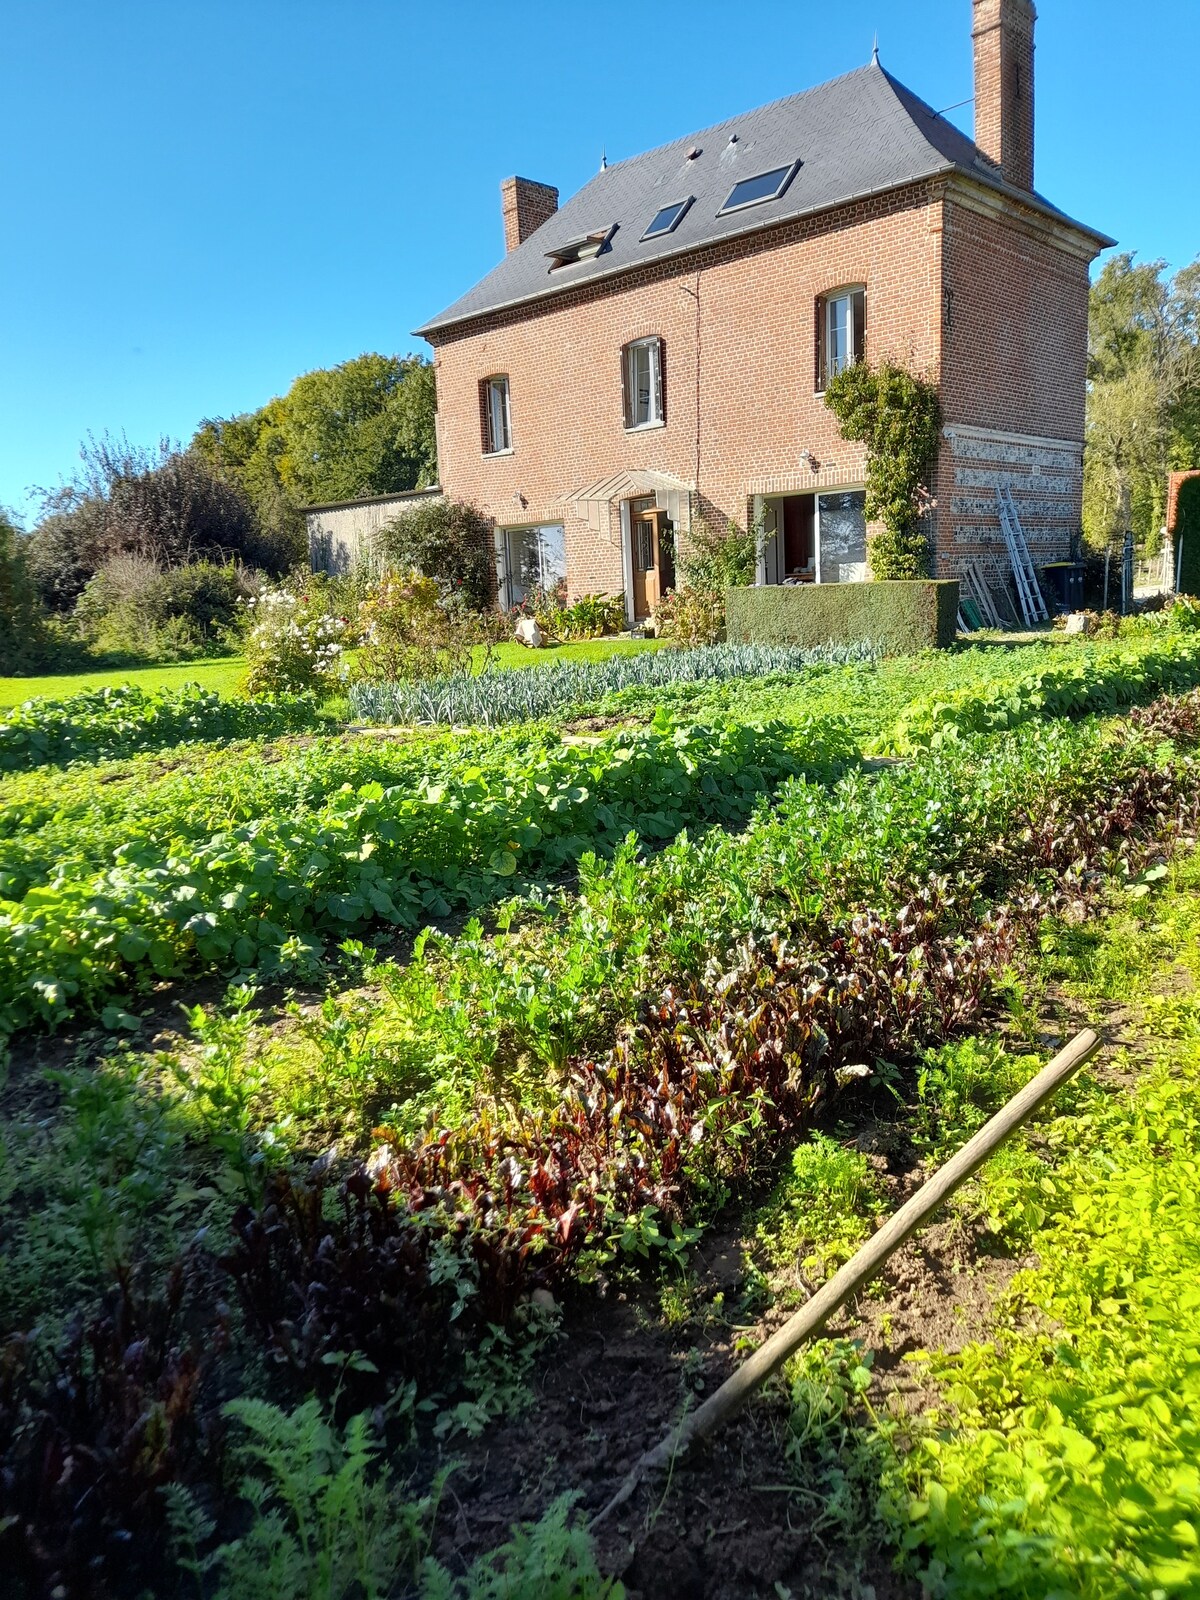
(349, 1074)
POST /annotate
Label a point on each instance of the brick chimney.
(1003, 35)
(526, 205)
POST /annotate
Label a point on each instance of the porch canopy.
(593, 502)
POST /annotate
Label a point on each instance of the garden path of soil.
(724, 1527)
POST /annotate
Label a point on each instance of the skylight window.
(668, 219)
(764, 186)
(584, 248)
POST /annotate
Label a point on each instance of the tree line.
(144, 549)
(1143, 404)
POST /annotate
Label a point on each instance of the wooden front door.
(653, 563)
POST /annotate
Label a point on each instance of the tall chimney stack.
(526, 205)
(1003, 36)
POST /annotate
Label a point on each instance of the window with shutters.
(494, 416)
(642, 380)
(841, 332)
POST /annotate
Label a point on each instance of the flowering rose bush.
(292, 644)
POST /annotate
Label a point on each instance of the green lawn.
(511, 654)
(224, 673)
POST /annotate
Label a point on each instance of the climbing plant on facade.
(898, 416)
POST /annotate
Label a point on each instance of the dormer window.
(841, 332)
(764, 186)
(642, 382)
(584, 248)
(494, 416)
(668, 219)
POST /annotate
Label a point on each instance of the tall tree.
(248, 451)
(1143, 393)
(364, 427)
(22, 627)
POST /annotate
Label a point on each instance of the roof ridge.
(750, 111)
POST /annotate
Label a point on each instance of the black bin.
(1064, 580)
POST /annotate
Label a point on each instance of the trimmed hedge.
(898, 617)
(1187, 528)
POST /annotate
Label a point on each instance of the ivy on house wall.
(898, 416)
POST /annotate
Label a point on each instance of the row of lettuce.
(736, 983)
(103, 723)
(193, 893)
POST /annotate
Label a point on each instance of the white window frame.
(499, 408)
(654, 396)
(766, 507)
(830, 303)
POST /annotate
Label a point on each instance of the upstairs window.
(642, 382)
(763, 186)
(668, 219)
(841, 333)
(494, 416)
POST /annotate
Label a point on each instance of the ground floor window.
(531, 561)
(813, 538)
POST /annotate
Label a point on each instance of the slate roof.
(857, 135)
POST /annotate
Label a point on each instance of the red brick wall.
(1003, 38)
(1014, 364)
(524, 206)
(1015, 350)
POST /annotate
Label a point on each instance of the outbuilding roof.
(858, 135)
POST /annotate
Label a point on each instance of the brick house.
(654, 351)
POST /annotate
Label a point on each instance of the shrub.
(691, 617)
(447, 540)
(132, 607)
(898, 617)
(1187, 534)
(712, 562)
(293, 644)
(65, 548)
(409, 632)
(899, 418)
(23, 637)
(592, 616)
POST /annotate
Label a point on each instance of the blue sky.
(203, 200)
